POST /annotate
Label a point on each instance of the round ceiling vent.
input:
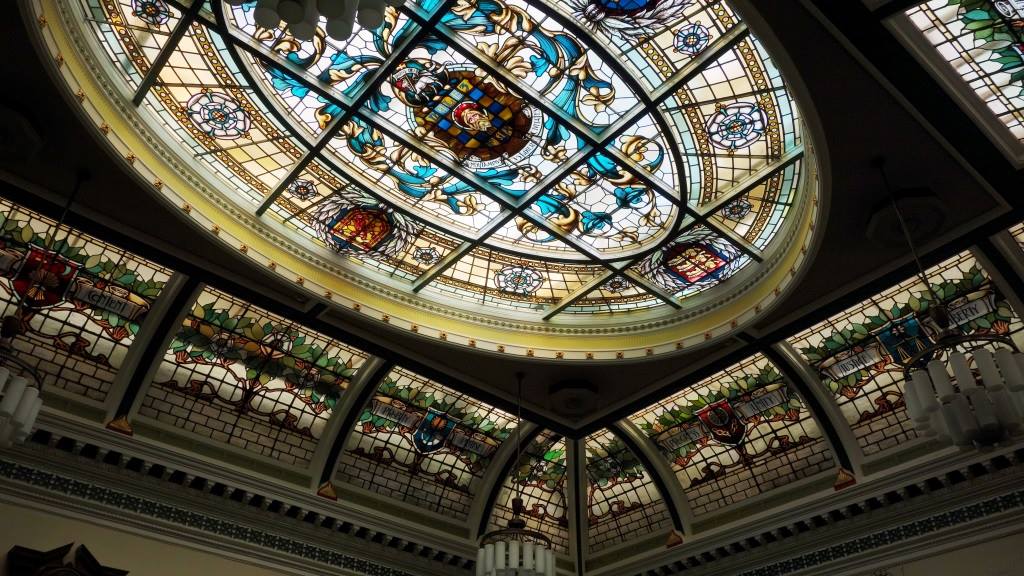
(572, 397)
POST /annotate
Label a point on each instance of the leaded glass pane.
(423, 443)
(860, 352)
(82, 300)
(741, 432)
(238, 375)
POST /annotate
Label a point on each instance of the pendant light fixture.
(516, 550)
(304, 16)
(955, 388)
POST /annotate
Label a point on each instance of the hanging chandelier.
(516, 550)
(944, 397)
(303, 16)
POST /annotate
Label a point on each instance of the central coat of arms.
(473, 117)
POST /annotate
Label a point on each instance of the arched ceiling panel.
(423, 443)
(623, 502)
(540, 479)
(83, 300)
(236, 374)
(859, 353)
(983, 42)
(741, 432)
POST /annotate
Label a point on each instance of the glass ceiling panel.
(732, 119)
(859, 352)
(617, 295)
(540, 481)
(219, 118)
(669, 33)
(80, 320)
(236, 374)
(757, 215)
(607, 208)
(741, 432)
(410, 180)
(694, 261)
(493, 278)
(503, 99)
(983, 41)
(622, 501)
(521, 39)
(132, 32)
(424, 444)
(345, 67)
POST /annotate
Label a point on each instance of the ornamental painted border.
(65, 486)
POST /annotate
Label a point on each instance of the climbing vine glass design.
(423, 443)
(240, 375)
(623, 502)
(82, 300)
(519, 142)
(540, 478)
(736, 434)
(983, 40)
(860, 352)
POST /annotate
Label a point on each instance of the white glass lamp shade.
(528, 555)
(291, 11)
(5, 375)
(25, 428)
(12, 397)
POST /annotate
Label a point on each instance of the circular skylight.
(584, 163)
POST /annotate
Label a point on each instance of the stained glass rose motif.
(218, 115)
(737, 209)
(692, 39)
(154, 12)
(276, 344)
(617, 285)
(737, 125)
(302, 189)
(426, 256)
(223, 344)
(518, 280)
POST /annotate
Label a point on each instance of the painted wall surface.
(141, 556)
(1002, 557)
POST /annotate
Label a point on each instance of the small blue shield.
(433, 431)
(904, 339)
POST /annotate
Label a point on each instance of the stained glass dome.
(569, 168)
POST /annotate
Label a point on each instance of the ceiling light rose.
(942, 395)
(516, 550)
(304, 16)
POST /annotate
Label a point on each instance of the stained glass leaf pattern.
(983, 41)
(522, 128)
(736, 434)
(423, 443)
(83, 300)
(240, 375)
(623, 502)
(540, 478)
(860, 353)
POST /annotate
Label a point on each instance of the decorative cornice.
(68, 487)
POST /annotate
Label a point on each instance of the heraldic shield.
(44, 278)
(721, 421)
(432, 432)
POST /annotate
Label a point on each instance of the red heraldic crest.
(44, 278)
(722, 423)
